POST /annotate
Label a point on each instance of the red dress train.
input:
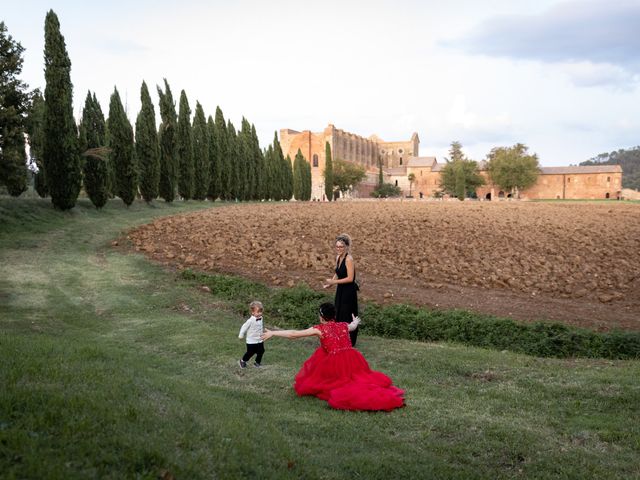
(339, 374)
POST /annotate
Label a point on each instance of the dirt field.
(576, 262)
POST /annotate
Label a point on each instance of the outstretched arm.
(309, 332)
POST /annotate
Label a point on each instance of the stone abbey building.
(400, 158)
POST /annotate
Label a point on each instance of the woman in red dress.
(337, 372)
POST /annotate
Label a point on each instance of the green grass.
(112, 367)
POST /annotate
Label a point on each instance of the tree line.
(190, 155)
(628, 159)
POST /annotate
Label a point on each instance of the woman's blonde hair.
(346, 239)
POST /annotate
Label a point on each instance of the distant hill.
(629, 160)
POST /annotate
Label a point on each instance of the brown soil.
(577, 263)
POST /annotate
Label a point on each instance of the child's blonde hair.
(256, 305)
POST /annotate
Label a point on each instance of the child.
(253, 329)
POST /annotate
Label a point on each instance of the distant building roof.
(582, 169)
(421, 162)
(396, 171)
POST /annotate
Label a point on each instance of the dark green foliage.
(121, 150)
(284, 171)
(202, 167)
(213, 190)
(96, 171)
(185, 149)
(147, 148)
(386, 190)
(460, 185)
(301, 178)
(271, 190)
(167, 143)
(512, 168)
(92, 127)
(234, 163)
(328, 172)
(629, 160)
(96, 177)
(35, 130)
(223, 160)
(297, 308)
(260, 192)
(297, 176)
(347, 175)
(14, 105)
(13, 164)
(306, 180)
(246, 162)
(62, 161)
(460, 177)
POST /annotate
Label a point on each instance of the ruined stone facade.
(349, 147)
(399, 159)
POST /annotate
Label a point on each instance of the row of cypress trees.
(195, 158)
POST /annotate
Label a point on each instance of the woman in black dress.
(346, 300)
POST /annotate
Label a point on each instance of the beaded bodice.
(335, 336)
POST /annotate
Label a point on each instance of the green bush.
(297, 307)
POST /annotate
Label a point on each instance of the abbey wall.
(400, 158)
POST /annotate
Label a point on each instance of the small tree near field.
(347, 175)
(512, 168)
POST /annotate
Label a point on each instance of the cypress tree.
(298, 187)
(214, 171)
(328, 172)
(271, 190)
(185, 149)
(35, 124)
(284, 172)
(60, 146)
(95, 179)
(95, 168)
(120, 140)
(260, 192)
(200, 154)
(288, 178)
(223, 160)
(167, 143)
(234, 167)
(147, 148)
(247, 170)
(14, 104)
(306, 181)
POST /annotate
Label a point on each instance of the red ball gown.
(338, 373)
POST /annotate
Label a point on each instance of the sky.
(560, 76)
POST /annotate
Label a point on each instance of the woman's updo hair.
(328, 311)
(344, 238)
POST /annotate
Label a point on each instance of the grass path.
(112, 367)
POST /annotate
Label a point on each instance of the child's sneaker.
(257, 365)
(242, 363)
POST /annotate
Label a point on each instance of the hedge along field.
(293, 307)
(113, 367)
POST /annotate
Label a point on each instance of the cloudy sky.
(561, 76)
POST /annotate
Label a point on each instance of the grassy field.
(111, 367)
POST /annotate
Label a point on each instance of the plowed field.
(577, 262)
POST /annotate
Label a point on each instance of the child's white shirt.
(253, 329)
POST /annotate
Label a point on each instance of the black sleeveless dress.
(346, 300)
